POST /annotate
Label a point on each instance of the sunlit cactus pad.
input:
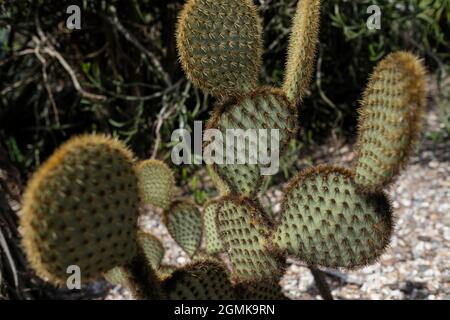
(302, 49)
(244, 232)
(184, 222)
(325, 221)
(220, 45)
(201, 280)
(213, 243)
(81, 208)
(390, 120)
(156, 183)
(266, 108)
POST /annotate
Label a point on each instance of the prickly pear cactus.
(152, 248)
(184, 222)
(244, 230)
(81, 208)
(213, 243)
(201, 280)
(390, 120)
(156, 183)
(220, 45)
(120, 276)
(326, 221)
(302, 50)
(265, 108)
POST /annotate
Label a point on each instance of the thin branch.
(128, 36)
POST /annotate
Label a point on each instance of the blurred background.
(120, 75)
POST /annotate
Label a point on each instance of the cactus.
(82, 205)
(390, 120)
(156, 183)
(302, 50)
(122, 277)
(201, 280)
(325, 221)
(81, 208)
(152, 248)
(220, 45)
(244, 230)
(211, 236)
(183, 220)
(264, 108)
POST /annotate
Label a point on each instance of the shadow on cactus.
(82, 206)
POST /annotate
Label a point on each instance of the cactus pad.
(265, 108)
(302, 49)
(81, 208)
(244, 232)
(183, 220)
(152, 249)
(220, 45)
(201, 280)
(120, 276)
(325, 221)
(213, 243)
(156, 183)
(390, 120)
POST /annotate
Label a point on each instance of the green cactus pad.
(81, 208)
(326, 222)
(265, 108)
(201, 280)
(152, 248)
(120, 276)
(220, 45)
(165, 272)
(156, 183)
(183, 220)
(244, 232)
(390, 120)
(213, 243)
(264, 290)
(302, 50)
